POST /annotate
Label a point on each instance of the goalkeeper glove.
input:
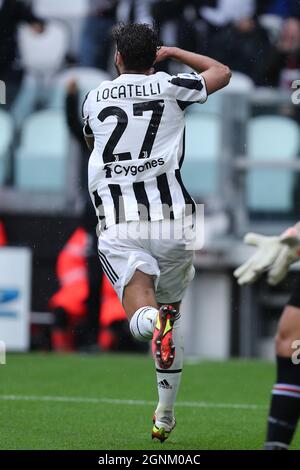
(273, 254)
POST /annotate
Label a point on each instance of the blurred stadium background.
(242, 162)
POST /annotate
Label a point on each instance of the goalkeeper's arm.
(274, 255)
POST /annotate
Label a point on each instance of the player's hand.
(274, 255)
(164, 53)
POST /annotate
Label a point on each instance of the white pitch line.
(113, 401)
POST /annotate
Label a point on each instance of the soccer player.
(134, 126)
(274, 255)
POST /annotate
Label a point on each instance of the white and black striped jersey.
(138, 125)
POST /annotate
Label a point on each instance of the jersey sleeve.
(188, 88)
(87, 131)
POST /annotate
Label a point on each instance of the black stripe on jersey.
(183, 150)
(184, 104)
(187, 198)
(109, 264)
(107, 269)
(87, 131)
(142, 200)
(104, 269)
(165, 195)
(99, 206)
(117, 197)
(190, 83)
(86, 97)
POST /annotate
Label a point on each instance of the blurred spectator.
(3, 239)
(175, 28)
(138, 11)
(12, 13)
(89, 221)
(177, 23)
(95, 38)
(296, 10)
(168, 16)
(228, 11)
(283, 64)
(234, 36)
(283, 8)
(69, 303)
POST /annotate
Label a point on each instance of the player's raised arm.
(215, 74)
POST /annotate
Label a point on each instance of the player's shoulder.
(161, 76)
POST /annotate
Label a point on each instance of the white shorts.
(131, 246)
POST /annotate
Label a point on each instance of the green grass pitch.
(105, 402)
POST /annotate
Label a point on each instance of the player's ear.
(118, 57)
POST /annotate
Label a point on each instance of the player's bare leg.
(138, 293)
(285, 404)
(288, 331)
(161, 323)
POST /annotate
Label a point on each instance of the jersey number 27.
(157, 108)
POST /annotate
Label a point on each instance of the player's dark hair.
(137, 44)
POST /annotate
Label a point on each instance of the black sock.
(285, 405)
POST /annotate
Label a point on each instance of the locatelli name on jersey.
(130, 90)
(131, 170)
